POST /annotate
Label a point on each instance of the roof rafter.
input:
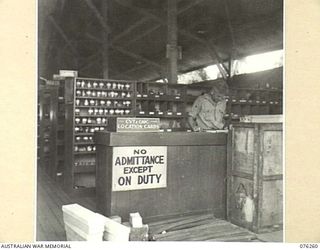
(98, 15)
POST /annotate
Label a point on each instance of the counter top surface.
(159, 138)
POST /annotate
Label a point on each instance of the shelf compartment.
(104, 98)
(85, 169)
(85, 153)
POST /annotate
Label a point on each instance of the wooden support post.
(172, 48)
(105, 42)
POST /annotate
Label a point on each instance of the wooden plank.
(186, 222)
(136, 56)
(189, 234)
(98, 15)
(161, 139)
(239, 237)
(226, 232)
(62, 33)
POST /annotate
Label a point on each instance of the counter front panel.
(193, 165)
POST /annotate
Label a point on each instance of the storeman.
(209, 109)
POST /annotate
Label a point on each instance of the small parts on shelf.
(82, 129)
(102, 94)
(105, 103)
(84, 163)
(88, 148)
(102, 85)
(86, 139)
(97, 120)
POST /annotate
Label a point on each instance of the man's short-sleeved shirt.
(208, 114)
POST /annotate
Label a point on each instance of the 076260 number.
(306, 245)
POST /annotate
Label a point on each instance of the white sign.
(137, 168)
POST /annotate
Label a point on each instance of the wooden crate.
(255, 187)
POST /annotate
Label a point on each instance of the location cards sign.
(137, 168)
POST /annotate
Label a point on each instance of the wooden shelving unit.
(166, 101)
(47, 129)
(88, 105)
(242, 101)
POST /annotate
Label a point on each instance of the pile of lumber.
(81, 224)
(115, 231)
(198, 228)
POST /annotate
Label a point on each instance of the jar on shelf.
(127, 111)
(77, 102)
(93, 93)
(96, 111)
(127, 86)
(89, 148)
(88, 92)
(84, 120)
(86, 102)
(78, 84)
(123, 94)
(111, 111)
(100, 111)
(90, 111)
(92, 102)
(77, 120)
(103, 94)
(77, 129)
(98, 93)
(98, 120)
(89, 121)
(78, 93)
(89, 85)
(108, 85)
(77, 111)
(108, 103)
(106, 111)
(102, 102)
(104, 120)
(76, 149)
(114, 85)
(101, 128)
(78, 138)
(95, 84)
(83, 84)
(128, 95)
(101, 84)
(85, 138)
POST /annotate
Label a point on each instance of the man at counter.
(209, 109)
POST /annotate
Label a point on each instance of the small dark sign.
(131, 124)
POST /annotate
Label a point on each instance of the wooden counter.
(196, 172)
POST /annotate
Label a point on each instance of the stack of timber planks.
(81, 224)
(198, 228)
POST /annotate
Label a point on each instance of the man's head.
(219, 91)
